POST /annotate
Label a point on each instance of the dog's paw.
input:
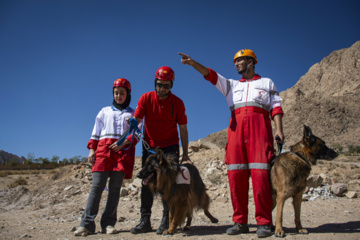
(214, 220)
(279, 233)
(167, 232)
(302, 231)
(186, 228)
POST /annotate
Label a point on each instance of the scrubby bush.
(354, 149)
(17, 182)
(337, 147)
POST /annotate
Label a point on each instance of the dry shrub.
(17, 182)
(58, 174)
(4, 173)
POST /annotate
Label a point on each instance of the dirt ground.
(48, 208)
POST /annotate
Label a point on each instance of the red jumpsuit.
(249, 148)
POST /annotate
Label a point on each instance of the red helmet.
(122, 82)
(165, 73)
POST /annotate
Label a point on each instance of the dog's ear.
(159, 155)
(308, 136)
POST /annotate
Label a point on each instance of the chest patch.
(261, 94)
(183, 177)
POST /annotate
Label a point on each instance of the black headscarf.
(125, 104)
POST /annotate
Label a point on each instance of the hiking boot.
(81, 231)
(110, 230)
(143, 227)
(264, 231)
(237, 229)
(164, 224)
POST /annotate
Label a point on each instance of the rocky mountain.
(326, 98)
(6, 157)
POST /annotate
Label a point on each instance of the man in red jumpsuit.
(252, 100)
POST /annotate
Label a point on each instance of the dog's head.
(316, 147)
(152, 165)
(159, 170)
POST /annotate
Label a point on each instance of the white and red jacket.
(261, 93)
(110, 125)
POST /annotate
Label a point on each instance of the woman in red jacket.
(109, 160)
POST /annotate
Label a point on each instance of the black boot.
(237, 229)
(143, 227)
(164, 224)
(165, 220)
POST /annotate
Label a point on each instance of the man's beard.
(162, 95)
(241, 72)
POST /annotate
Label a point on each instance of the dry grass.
(18, 181)
(5, 173)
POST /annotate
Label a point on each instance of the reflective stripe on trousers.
(263, 166)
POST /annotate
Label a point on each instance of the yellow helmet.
(245, 53)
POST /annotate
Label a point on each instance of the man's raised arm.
(185, 59)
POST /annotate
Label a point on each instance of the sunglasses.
(165, 86)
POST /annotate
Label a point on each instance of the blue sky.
(59, 58)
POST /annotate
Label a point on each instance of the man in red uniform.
(163, 112)
(252, 101)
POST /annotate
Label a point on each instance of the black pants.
(147, 197)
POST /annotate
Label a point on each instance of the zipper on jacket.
(246, 100)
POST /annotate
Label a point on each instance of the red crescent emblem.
(182, 173)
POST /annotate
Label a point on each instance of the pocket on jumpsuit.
(238, 95)
(226, 160)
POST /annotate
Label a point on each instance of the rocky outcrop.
(7, 157)
(327, 99)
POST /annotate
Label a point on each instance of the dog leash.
(280, 145)
(132, 130)
(147, 147)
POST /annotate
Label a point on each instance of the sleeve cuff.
(92, 144)
(275, 111)
(212, 77)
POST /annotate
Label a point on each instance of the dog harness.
(183, 177)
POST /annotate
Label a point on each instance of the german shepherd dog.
(160, 172)
(289, 173)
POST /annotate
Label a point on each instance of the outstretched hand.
(185, 59)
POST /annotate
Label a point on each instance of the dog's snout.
(139, 175)
(333, 154)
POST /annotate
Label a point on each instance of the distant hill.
(326, 98)
(7, 157)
